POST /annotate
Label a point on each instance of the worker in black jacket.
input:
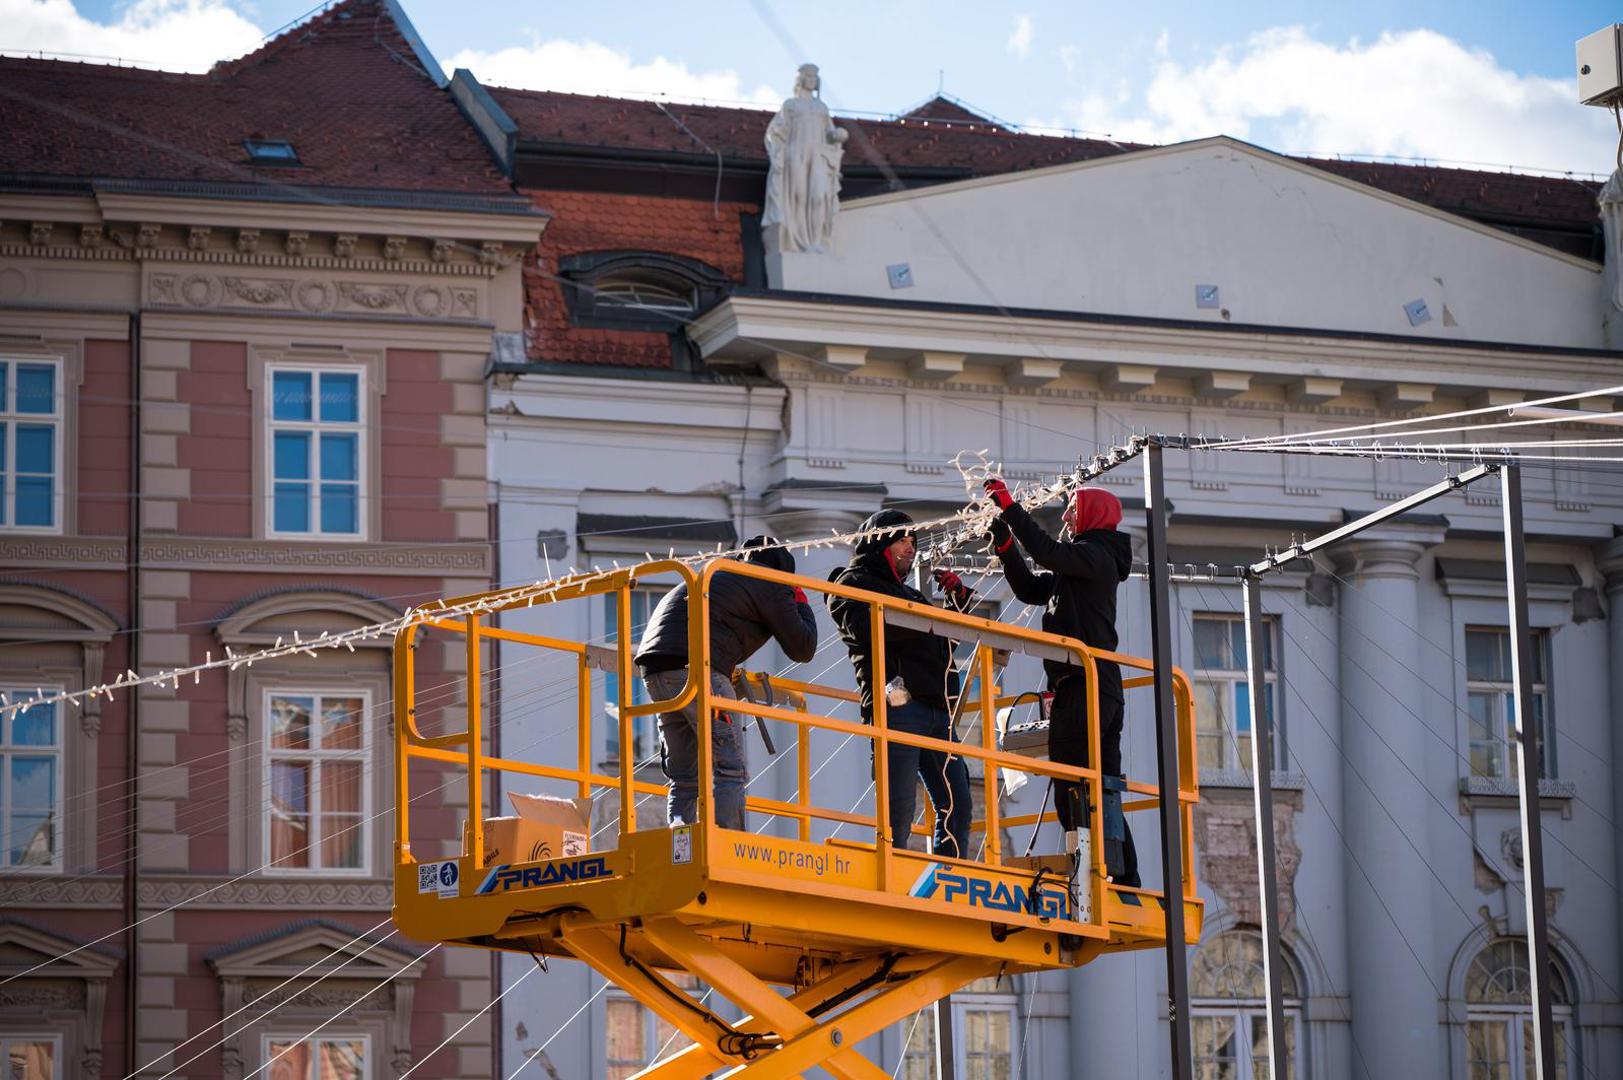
(918, 681)
(1082, 570)
(744, 613)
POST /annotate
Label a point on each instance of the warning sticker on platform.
(438, 877)
(681, 845)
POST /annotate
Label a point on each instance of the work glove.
(951, 584)
(999, 491)
(800, 596)
(1002, 537)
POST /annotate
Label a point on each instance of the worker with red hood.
(1078, 586)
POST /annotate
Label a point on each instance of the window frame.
(54, 1038)
(1501, 718)
(1231, 678)
(58, 754)
(584, 274)
(918, 1043)
(655, 1029)
(1247, 1012)
(362, 756)
(359, 428)
(9, 419)
(268, 1037)
(1516, 1016)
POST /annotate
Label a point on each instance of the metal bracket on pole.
(1529, 755)
(1262, 763)
(1168, 773)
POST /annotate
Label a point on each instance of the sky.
(1488, 83)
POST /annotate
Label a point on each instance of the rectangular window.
(323, 1057)
(1491, 702)
(635, 1037)
(31, 445)
(30, 785)
(646, 728)
(31, 1057)
(319, 781)
(1222, 692)
(316, 457)
(984, 1030)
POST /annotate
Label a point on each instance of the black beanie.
(775, 557)
(896, 525)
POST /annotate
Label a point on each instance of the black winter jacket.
(1079, 588)
(744, 613)
(921, 659)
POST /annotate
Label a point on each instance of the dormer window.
(637, 290)
(270, 152)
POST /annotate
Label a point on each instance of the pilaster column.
(1609, 561)
(1385, 814)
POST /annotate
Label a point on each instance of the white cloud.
(1415, 93)
(177, 35)
(1020, 38)
(586, 67)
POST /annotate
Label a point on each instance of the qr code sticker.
(428, 877)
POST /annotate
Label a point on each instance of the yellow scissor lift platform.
(860, 932)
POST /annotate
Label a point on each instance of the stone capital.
(1364, 560)
(1609, 561)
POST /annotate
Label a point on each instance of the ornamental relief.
(310, 295)
(277, 894)
(359, 997)
(46, 994)
(71, 892)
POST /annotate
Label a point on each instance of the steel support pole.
(1529, 755)
(946, 1061)
(1262, 763)
(1168, 773)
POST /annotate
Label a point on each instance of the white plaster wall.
(1287, 245)
(615, 446)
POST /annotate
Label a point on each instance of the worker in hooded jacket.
(1081, 571)
(918, 681)
(745, 613)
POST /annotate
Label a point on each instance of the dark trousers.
(945, 777)
(1068, 745)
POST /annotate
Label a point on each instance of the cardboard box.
(545, 828)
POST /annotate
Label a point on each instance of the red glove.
(951, 583)
(800, 596)
(999, 492)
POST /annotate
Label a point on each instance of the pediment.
(313, 948)
(307, 612)
(37, 612)
(31, 951)
(1135, 234)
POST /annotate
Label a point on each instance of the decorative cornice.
(292, 893)
(206, 553)
(63, 552)
(60, 892)
(200, 553)
(64, 251)
(318, 295)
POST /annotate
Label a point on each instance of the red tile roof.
(592, 221)
(942, 133)
(345, 88)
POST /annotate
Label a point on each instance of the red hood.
(1096, 508)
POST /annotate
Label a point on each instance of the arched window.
(1229, 1013)
(637, 290)
(1499, 1014)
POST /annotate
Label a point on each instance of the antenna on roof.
(941, 81)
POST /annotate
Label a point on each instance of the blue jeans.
(680, 730)
(945, 777)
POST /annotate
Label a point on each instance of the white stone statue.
(803, 183)
(1611, 219)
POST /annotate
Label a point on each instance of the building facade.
(1043, 299)
(245, 319)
